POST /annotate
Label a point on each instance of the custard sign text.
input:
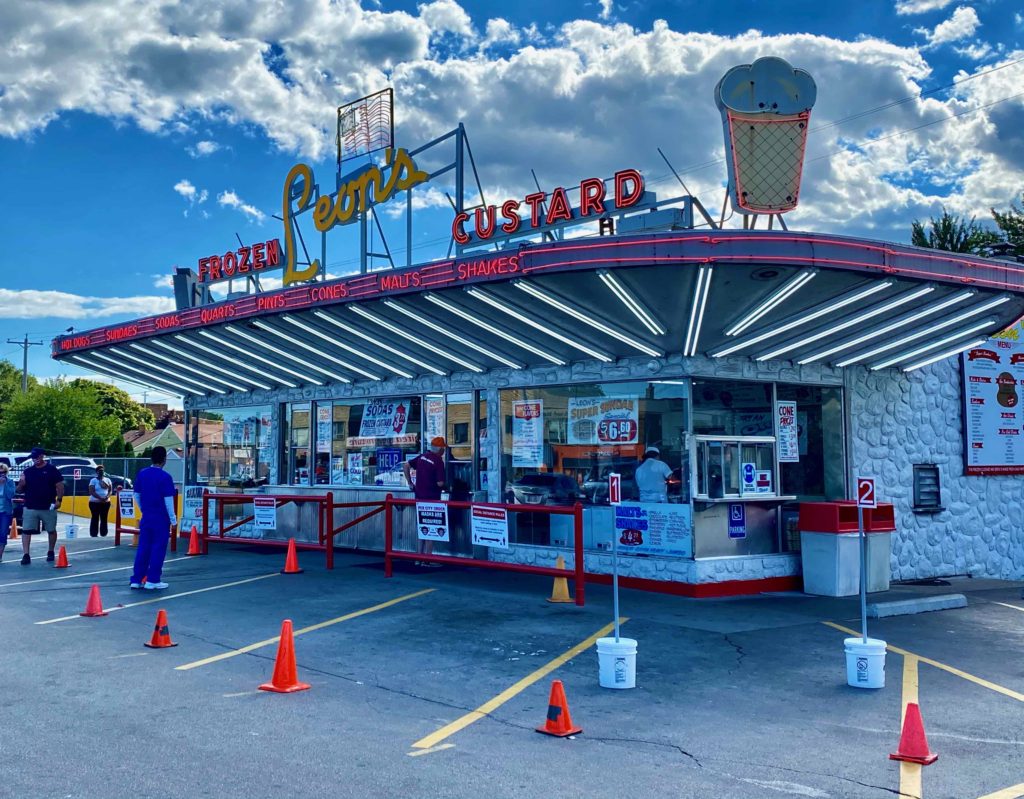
(362, 189)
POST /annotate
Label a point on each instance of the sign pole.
(863, 575)
(615, 498)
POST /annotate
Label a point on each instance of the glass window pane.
(231, 447)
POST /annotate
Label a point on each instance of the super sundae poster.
(993, 419)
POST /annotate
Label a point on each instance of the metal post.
(615, 580)
(388, 535)
(206, 521)
(328, 513)
(117, 518)
(577, 518)
(863, 575)
(177, 528)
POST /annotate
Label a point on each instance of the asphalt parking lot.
(735, 698)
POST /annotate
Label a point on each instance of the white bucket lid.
(624, 646)
(873, 646)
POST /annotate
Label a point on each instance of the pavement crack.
(789, 770)
(663, 744)
(740, 654)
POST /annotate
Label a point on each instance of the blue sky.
(136, 136)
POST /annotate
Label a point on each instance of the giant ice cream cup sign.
(766, 107)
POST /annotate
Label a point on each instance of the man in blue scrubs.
(154, 491)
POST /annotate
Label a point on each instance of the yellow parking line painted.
(910, 773)
(945, 667)
(260, 644)
(81, 574)
(1013, 792)
(167, 597)
(488, 707)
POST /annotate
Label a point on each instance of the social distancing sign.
(490, 527)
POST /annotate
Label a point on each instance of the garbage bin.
(830, 547)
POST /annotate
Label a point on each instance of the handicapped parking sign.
(737, 520)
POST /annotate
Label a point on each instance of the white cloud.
(447, 16)
(607, 6)
(499, 31)
(231, 200)
(203, 148)
(961, 25)
(163, 281)
(920, 6)
(582, 99)
(186, 190)
(33, 304)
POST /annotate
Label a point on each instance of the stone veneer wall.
(897, 420)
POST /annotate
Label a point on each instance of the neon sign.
(628, 190)
(240, 262)
(363, 189)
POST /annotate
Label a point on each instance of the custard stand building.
(570, 329)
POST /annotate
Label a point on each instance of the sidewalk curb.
(907, 607)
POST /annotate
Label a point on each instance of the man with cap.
(427, 480)
(652, 477)
(43, 487)
(154, 490)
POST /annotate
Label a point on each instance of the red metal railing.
(222, 500)
(577, 573)
(120, 528)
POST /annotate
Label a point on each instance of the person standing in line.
(99, 502)
(43, 487)
(6, 506)
(427, 482)
(154, 491)
(652, 477)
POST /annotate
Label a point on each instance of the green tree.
(1012, 225)
(130, 414)
(96, 446)
(59, 416)
(952, 233)
(128, 450)
(10, 383)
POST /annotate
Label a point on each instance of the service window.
(230, 448)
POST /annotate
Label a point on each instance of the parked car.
(545, 489)
(595, 485)
(80, 487)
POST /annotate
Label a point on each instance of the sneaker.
(155, 586)
(135, 586)
(25, 560)
(49, 556)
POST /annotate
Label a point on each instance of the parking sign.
(866, 497)
(78, 474)
(614, 488)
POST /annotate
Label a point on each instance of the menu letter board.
(527, 433)
(993, 375)
(654, 528)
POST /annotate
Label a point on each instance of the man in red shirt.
(427, 481)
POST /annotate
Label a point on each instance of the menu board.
(651, 528)
(993, 375)
(786, 432)
(604, 420)
(527, 433)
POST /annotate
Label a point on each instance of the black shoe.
(104, 534)
(25, 560)
(49, 556)
(93, 535)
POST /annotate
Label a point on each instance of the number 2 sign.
(866, 497)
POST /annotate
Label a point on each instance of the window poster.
(434, 417)
(787, 432)
(323, 428)
(385, 418)
(993, 375)
(355, 468)
(527, 433)
(604, 420)
(649, 528)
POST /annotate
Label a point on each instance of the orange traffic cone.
(94, 607)
(286, 678)
(558, 722)
(161, 634)
(291, 560)
(560, 588)
(13, 534)
(913, 743)
(193, 542)
(62, 558)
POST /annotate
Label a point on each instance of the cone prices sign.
(993, 375)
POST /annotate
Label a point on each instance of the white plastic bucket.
(71, 531)
(865, 663)
(616, 662)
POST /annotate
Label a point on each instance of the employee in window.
(652, 477)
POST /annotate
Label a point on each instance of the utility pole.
(24, 368)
